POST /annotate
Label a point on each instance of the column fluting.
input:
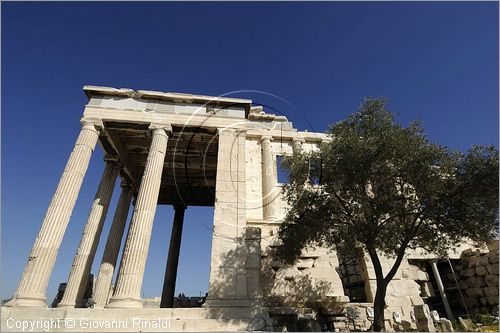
(128, 286)
(36, 275)
(113, 243)
(84, 258)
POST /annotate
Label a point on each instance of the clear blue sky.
(435, 61)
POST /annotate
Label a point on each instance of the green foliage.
(485, 319)
(385, 187)
(458, 327)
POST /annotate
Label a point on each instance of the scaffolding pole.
(439, 282)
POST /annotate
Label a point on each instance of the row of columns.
(32, 287)
(34, 282)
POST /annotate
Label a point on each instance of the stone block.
(462, 284)
(491, 280)
(408, 326)
(474, 292)
(493, 258)
(492, 300)
(471, 262)
(492, 269)
(403, 302)
(481, 270)
(399, 288)
(446, 325)
(475, 282)
(413, 272)
(427, 290)
(484, 309)
(468, 272)
(493, 245)
(424, 320)
(490, 291)
(304, 263)
(482, 261)
(471, 302)
(474, 311)
(340, 326)
(416, 300)
(467, 324)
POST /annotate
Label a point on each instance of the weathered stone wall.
(477, 275)
(311, 281)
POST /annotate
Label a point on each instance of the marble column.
(82, 263)
(129, 283)
(268, 179)
(110, 255)
(167, 296)
(36, 275)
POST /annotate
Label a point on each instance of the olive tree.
(385, 188)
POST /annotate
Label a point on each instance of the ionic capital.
(230, 131)
(167, 128)
(94, 123)
(266, 137)
(298, 140)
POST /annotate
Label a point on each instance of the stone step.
(126, 320)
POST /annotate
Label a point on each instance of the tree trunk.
(382, 283)
(379, 306)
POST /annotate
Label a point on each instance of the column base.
(273, 219)
(124, 303)
(26, 301)
(65, 306)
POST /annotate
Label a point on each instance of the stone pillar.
(167, 296)
(268, 179)
(297, 144)
(227, 287)
(33, 284)
(439, 282)
(423, 318)
(82, 263)
(253, 264)
(110, 255)
(128, 286)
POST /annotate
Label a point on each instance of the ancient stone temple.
(190, 150)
